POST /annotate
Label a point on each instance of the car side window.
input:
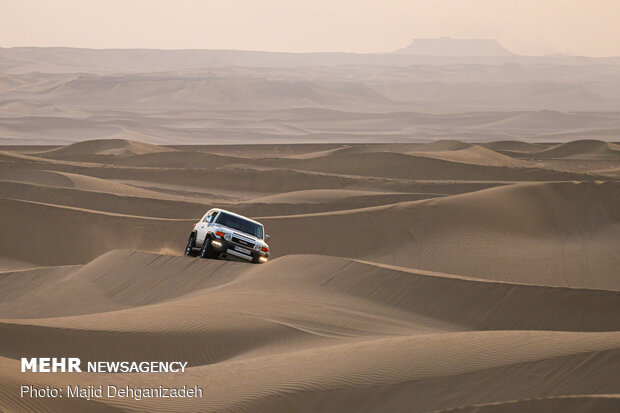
(210, 216)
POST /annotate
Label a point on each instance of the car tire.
(207, 250)
(256, 259)
(191, 244)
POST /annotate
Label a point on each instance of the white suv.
(224, 233)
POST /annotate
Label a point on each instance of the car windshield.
(240, 224)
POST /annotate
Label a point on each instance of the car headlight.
(228, 237)
(257, 247)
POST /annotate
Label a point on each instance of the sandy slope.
(113, 147)
(415, 277)
(584, 149)
(487, 233)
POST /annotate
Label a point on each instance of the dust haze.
(63, 95)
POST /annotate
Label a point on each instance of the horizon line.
(393, 52)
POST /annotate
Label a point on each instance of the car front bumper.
(227, 247)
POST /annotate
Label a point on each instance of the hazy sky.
(581, 27)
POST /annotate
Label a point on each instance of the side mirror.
(267, 237)
(210, 218)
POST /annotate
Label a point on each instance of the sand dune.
(37, 177)
(443, 276)
(443, 145)
(119, 201)
(514, 146)
(584, 149)
(117, 147)
(588, 403)
(397, 165)
(98, 232)
(394, 326)
(60, 96)
(475, 154)
(44, 180)
(523, 219)
(339, 196)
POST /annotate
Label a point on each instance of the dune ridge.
(113, 147)
(583, 149)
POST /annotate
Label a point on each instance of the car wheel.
(256, 259)
(191, 244)
(207, 250)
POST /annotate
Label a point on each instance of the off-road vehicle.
(221, 233)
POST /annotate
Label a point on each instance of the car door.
(202, 228)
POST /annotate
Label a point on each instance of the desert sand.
(413, 277)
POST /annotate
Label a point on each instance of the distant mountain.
(430, 52)
(446, 46)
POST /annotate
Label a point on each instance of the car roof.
(237, 215)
